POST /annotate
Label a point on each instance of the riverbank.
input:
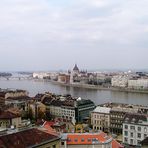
(87, 86)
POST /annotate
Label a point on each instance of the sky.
(55, 34)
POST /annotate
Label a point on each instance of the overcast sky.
(56, 34)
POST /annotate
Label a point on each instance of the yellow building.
(8, 119)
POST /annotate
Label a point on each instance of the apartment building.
(138, 84)
(100, 118)
(8, 119)
(68, 108)
(117, 114)
(135, 128)
(120, 81)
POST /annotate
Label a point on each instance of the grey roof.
(99, 109)
(135, 118)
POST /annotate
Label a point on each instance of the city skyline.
(52, 35)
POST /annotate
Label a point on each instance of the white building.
(135, 128)
(138, 84)
(100, 118)
(120, 81)
(68, 113)
(61, 108)
(41, 75)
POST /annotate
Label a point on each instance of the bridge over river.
(16, 78)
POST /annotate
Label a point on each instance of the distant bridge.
(16, 78)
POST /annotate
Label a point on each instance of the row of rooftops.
(120, 107)
(136, 119)
(64, 101)
(113, 104)
(36, 137)
(107, 110)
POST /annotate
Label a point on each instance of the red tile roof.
(89, 138)
(26, 138)
(86, 138)
(116, 144)
(47, 126)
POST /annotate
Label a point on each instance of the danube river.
(98, 96)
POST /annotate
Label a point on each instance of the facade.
(74, 73)
(16, 93)
(120, 81)
(135, 129)
(2, 102)
(117, 113)
(68, 113)
(41, 75)
(100, 119)
(138, 84)
(64, 78)
(30, 138)
(83, 109)
(74, 110)
(16, 103)
(8, 119)
(75, 69)
(7, 93)
(38, 109)
(88, 140)
(117, 116)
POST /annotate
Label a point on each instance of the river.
(98, 96)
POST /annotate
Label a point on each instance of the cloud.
(65, 25)
(94, 20)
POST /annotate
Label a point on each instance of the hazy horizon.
(52, 35)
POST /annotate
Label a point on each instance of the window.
(132, 134)
(126, 126)
(126, 133)
(131, 141)
(62, 143)
(126, 140)
(82, 140)
(54, 146)
(139, 128)
(145, 129)
(138, 142)
(69, 140)
(139, 135)
(145, 135)
(132, 127)
(76, 140)
(89, 140)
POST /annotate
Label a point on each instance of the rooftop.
(135, 118)
(99, 109)
(8, 115)
(26, 138)
(90, 138)
(75, 68)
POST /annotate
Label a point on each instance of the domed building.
(76, 69)
(74, 73)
